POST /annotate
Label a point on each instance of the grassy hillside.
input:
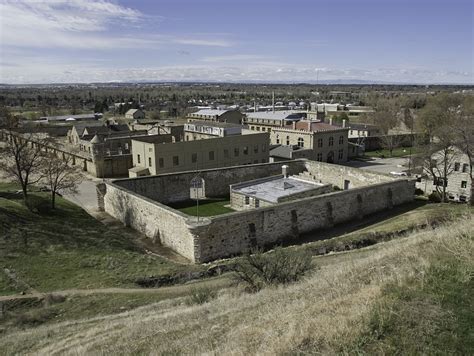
(410, 295)
(67, 248)
(413, 292)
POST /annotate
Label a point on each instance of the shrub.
(282, 266)
(435, 197)
(419, 191)
(201, 295)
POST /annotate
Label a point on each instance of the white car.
(398, 174)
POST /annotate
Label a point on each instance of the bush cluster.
(282, 266)
(201, 295)
(435, 197)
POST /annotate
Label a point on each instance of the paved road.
(381, 165)
(86, 196)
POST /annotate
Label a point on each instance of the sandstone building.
(157, 154)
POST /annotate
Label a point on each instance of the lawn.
(209, 207)
(67, 248)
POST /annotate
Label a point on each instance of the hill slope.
(412, 294)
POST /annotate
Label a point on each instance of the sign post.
(197, 191)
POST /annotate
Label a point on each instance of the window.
(464, 184)
(278, 139)
(175, 160)
(257, 203)
(320, 142)
(161, 162)
(126, 146)
(465, 168)
(331, 141)
(287, 140)
(341, 154)
(341, 140)
(462, 198)
(247, 200)
(258, 128)
(187, 137)
(211, 155)
(264, 147)
(320, 157)
(138, 158)
(246, 150)
(149, 161)
(269, 129)
(194, 158)
(226, 153)
(457, 165)
(236, 152)
(255, 149)
(300, 142)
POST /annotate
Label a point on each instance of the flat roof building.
(198, 130)
(230, 116)
(155, 156)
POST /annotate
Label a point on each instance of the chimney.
(294, 125)
(330, 121)
(284, 171)
(344, 123)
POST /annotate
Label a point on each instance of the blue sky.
(416, 41)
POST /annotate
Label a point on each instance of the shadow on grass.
(354, 225)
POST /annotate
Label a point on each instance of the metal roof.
(277, 115)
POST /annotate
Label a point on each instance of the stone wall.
(234, 233)
(155, 220)
(133, 201)
(174, 187)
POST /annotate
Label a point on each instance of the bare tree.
(448, 120)
(60, 175)
(387, 118)
(21, 159)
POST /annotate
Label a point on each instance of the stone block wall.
(234, 233)
(156, 221)
(133, 201)
(175, 187)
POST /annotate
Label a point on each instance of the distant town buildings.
(215, 115)
(135, 114)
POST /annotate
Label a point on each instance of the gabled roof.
(132, 111)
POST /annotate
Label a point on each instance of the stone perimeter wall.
(157, 221)
(234, 233)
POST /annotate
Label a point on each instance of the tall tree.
(60, 175)
(21, 160)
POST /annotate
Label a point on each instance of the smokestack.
(294, 125)
(254, 106)
(273, 101)
(344, 123)
(330, 121)
(284, 171)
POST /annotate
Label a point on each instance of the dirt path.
(216, 282)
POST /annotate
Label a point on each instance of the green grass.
(431, 313)
(209, 207)
(397, 152)
(67, 248)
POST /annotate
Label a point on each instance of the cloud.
(84, 24)
(95, 72)
(234, 58)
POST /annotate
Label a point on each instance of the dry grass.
(325, 313)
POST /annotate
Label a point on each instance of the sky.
(83, 41)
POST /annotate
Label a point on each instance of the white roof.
(210, 112)
(277, 115)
